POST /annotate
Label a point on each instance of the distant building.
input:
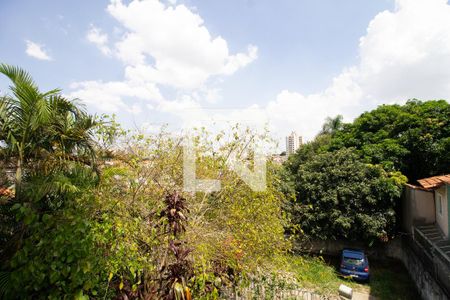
(293, 142)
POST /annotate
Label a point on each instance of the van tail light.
(366, 269)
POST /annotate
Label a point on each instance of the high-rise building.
(293, 142)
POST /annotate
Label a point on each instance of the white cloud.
(160, 45)
(185, 107)
(108, 96)
(36, 50)
(135, 109)
(100, 39)
(211, 95)
(237, 61)
(405, 54)
(171, 45)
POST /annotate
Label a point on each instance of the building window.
(439, 201)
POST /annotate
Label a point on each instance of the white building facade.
(293, 142)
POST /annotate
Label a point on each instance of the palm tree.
(332, 125)
(37, 126)
(22, 117)
(48, 141)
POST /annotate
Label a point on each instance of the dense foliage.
(348, 180)
(89, 210)
(48, 158)
(339, 196)
(413, 138)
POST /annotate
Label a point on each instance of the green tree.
(340, 196)
(333, 125)
(39, 127)
(46, 140)
(413, 138)
(116, 238)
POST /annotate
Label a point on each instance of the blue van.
(354, 263)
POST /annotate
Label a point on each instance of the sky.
(285, 65)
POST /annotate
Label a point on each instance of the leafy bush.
(340, 196)
(347, 181)
(132, 232)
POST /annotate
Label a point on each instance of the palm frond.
(16, 74)
(4, 283)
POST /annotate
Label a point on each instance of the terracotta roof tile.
(4, 192)
(434, 182)
(416, 187)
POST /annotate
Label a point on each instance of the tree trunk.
(18, 179)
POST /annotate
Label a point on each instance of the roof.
(416, 187)
(434, 182)
(5, 192)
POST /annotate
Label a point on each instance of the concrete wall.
(442, 218)
(419, 269)
(448, 208)
(392, 249)
(418, 207)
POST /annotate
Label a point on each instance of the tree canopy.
(347, 181)
(341, 197)
(413, 138)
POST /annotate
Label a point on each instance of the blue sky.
(288, 63)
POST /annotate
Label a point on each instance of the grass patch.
(389, 280)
